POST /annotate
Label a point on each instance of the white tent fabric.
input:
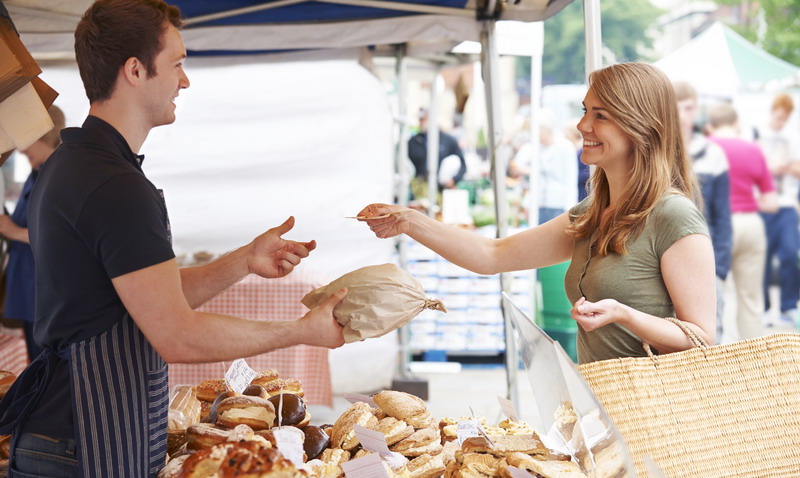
(256, 142)
(720, 63)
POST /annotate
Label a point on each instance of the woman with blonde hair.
(638, 244)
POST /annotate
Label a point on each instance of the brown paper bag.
(379, 299)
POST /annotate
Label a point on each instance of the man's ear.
(133, 71)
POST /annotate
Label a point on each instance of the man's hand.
(321, 327)
(272, 256)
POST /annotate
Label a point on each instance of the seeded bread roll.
(289, 385)
(209, 390)
(255, 412)
(264, 377)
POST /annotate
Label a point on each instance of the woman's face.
(604, 144)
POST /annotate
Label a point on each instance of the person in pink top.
(748, 173)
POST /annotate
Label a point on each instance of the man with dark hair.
(418, 154)
(112, 306)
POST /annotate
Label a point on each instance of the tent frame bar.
(399, 6)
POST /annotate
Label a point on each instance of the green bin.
(553, 315)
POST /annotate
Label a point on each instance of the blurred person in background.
(783, 236)
(450, 171)
(20, 268)
(748, 172)
(711, 168)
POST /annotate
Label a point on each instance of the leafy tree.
(623, 24)
(782, 21)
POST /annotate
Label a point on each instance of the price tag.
(372, 440)
(467, 429)
(357, 397)
(518, 473)
(290, 445)
(239, 376)
(369, 466)
(508, 408)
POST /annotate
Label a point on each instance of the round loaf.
(288, 385)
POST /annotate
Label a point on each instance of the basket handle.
(693, 336)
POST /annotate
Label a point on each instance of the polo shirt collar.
(99, 132)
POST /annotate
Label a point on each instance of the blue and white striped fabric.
(120, 400)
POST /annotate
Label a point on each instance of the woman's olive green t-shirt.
(633, 279)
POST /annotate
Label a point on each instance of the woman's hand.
(593, 315)
(386, 220)
(272, 256)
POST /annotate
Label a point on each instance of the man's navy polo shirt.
(93, 216)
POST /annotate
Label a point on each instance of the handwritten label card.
(467, 429)
(290, 445)
(357, 397)
(369, 466)
(239, 376)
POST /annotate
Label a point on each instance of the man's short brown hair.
(783, 101)
(111, 32)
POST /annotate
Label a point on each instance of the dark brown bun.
(316, 441)
(293, 411)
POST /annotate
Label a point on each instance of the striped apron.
(120, 399)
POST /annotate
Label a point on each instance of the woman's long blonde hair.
(640, 100)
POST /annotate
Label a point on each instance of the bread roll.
(530, 445)
(425, 440)
(399, 405)
(264, 377)
(394, 429)
(426, 466)
(209, 390)
(255, 412)
(289, 385)
(545, 469)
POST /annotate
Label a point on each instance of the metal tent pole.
(594, 43)
(489, 62)
(401, 191)
(433, 140)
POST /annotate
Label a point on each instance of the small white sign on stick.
(239, 376)
(369, 466)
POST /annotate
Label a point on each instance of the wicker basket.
(727, 410)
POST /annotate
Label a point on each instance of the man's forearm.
(202, 283)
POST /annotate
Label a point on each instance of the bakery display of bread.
(245, 424)
(256, 412)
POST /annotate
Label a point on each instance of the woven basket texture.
(729, 410)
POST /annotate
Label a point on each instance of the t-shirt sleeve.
(125, 223)
(677, 217)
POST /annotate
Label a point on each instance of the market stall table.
(257, 298)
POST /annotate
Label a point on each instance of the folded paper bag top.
(379, 299)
